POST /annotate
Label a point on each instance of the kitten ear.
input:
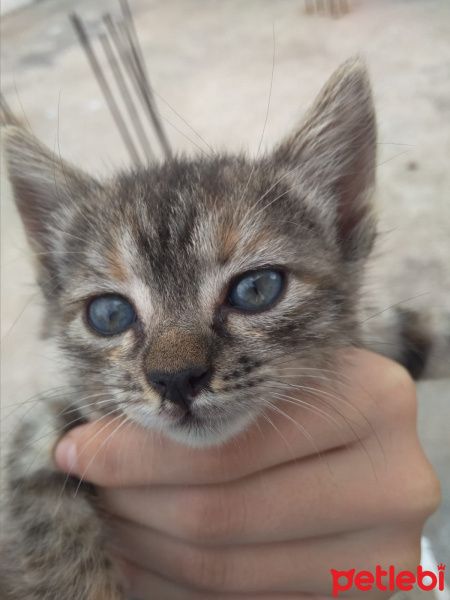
(45, 188)
(335, 150)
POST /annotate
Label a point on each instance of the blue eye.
(111, 314)
(257, 290)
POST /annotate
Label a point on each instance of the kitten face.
(173, 241)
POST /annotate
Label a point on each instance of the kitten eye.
(257, 290)
(110, 314)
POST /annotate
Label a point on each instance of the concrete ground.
(212, 62)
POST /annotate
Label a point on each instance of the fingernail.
(66, 456)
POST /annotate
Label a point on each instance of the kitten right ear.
(45, 188)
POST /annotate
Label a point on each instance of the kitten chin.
(209, 427)
(202, 436)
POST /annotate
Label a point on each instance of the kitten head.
(180, 289)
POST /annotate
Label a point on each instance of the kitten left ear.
(335, 150)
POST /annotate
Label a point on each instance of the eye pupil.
(110, 314)
(256, 290)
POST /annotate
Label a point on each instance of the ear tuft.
(335, 149)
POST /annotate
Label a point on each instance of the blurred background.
(211, 61)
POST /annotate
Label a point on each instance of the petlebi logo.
(388, 580)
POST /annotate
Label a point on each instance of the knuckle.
(423, 497)
(399, 396)
(215, 515)
(408, 553)
(434, 494)
(413, 491)
(204, 569)
(401, 548)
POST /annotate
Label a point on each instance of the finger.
(114, 453)
(146, 585)
(320, 497)
(294, 567)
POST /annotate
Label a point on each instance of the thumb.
(95, 451)
(114, 452)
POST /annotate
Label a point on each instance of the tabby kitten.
(172, 291)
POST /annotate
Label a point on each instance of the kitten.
(172, 291)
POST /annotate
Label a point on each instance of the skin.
(267, 515)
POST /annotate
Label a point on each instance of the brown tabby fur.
(171, 238)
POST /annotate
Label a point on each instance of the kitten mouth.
(189, 418)
(182, 417)
(195, 426)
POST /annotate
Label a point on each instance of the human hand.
(268, 514)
